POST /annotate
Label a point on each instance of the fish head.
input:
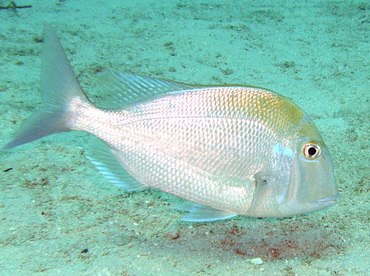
(312, 184)
(300, 177)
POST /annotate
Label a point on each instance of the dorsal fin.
(126, 88)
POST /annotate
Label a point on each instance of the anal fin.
(101, 155)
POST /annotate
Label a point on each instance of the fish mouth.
(328, 201)
(296, 208)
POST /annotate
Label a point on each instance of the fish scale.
(209, 154)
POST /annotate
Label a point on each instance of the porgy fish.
(230, 150)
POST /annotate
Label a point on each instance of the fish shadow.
(269, 240)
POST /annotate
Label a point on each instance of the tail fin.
(58, 87)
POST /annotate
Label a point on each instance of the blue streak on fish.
(231, 150)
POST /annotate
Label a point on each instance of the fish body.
(232, 150)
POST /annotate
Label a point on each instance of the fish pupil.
(312, 151)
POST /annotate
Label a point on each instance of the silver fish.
(231, 150)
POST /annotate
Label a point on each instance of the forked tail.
(59, 87)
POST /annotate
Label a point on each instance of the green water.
(60, 217)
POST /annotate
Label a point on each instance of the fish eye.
(311, 150)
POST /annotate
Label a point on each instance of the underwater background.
(59, 216)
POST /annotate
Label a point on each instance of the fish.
(228, 150)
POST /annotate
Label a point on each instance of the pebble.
(256, 261)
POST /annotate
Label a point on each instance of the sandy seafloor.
(54, 204)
